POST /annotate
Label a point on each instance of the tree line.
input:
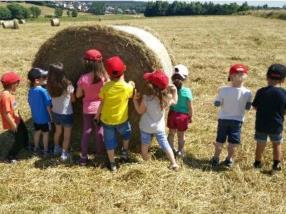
(17, 11)
(176, 8)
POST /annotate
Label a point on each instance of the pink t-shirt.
(91, 101)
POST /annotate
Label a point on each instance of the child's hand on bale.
(136, 96)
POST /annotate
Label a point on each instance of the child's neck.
(273, 83)
(237, 84)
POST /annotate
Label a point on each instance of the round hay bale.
(22, 21)
(140, 50)
(12, 24)
(55, 22)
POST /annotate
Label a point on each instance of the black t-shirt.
(270, 103)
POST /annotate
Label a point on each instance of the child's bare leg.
(276, 151)
(125, 144)
(110, 154)
(181, 141)
(46, 141)
(260, 146)
(171, 157)
(67, 138)
(57, 135)
(37, 135)
(171, 137)
(230, 149)
(218, 149)
(145, 151)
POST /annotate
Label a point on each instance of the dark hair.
(276, 72)
(57, 82)
(178, 81)
(97, 68)
(163, 95)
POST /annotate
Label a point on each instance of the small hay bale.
(12, 24)
(140, 50)
(55, 22)
(22, 21)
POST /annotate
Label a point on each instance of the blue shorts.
(65, 120)
(109, 132)
(262, 137)
(161, 139)
(230, 130)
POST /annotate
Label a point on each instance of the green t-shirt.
(184, 97)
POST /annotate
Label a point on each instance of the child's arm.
(11, 121)
(248, 104)
(79, 92)
(139, 106)
(174, 95)
(218, 100)
(191, 111)
(97, 116)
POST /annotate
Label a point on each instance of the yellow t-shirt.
(115, 96)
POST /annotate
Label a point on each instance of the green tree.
(74, 13)
(58, 12)
(18, 11)
(97, 8)
(35, 11)
(5, 13)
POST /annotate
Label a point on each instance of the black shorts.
(42, 127)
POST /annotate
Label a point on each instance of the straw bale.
(55, 22)
(11, 24)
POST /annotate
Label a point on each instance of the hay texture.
(55, 22)
(12, 24)
(140, 50)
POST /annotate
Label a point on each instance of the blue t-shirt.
(184, 97)
(39, 99)
(270, 104)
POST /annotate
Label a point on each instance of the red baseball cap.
(10, 77)
(236, 68)
(157, 78)
(92, 55)
(114, 66)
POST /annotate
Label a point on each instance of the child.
(61, 91)
(10, 119)
(270, 105)
(152, 107)
(181, 113)
(113, 110)
(89, 85)
(233, 100)
(40, 104)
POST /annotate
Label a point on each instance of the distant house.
(119, 10)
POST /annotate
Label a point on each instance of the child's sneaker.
(124, 154)
(83, 161)
(228, 163)
(180, 154)
(257, 164)
(113, 167)
(57, 150)
(276, 166)
(65, 156)
(215, 162)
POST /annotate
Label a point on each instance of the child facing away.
(182, 112)
(233, 100)
(113, 111)
(62, 93)
(88, 87)
(270, 105)
(11, 120)
(152, 108)
(40, 104)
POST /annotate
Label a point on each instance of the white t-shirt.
(152, 121)
(62, 104)
(233, 102)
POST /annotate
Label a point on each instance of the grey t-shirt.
(152, 121)
(62, 104)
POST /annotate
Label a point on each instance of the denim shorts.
(109, 133)
(262, 137)
(161, 139)
(230, 130)
(65, 120)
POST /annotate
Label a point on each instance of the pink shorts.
(177, 120)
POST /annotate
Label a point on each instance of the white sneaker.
(65, 156)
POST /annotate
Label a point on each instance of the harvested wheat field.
(208, 46)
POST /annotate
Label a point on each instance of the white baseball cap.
(182, 70)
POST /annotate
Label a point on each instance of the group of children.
(105, 96)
